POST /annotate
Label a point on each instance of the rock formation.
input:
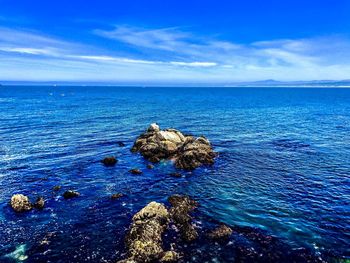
(188, 152)
(144, 239)
(181, 207)
(20, 203)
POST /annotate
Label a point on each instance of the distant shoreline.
(172, 86)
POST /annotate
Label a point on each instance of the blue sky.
(154, 41)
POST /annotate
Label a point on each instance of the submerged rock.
(180, 214)
(144, 239)
(57, 188)
(70, 194)
(177, 175)
(116, 196)
(221, 232)
(109, 161)
(135, 171)
(150, 166)
(121, 144)
(20, 203)
(188, 152)
(39, 203)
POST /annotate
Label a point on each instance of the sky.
(174, 41)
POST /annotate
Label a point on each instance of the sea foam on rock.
(188, 152)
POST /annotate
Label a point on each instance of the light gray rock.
(188, 152)
(20, 203)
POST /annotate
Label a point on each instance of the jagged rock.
(144, 239)
(70, 194)
(187, 151)
(57, 188)
(116, 196)
(39, 203)
(181, 207)
(135, 171)
(20, 203)
(109, 161)
(221, 232)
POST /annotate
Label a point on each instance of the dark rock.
(187, 151)
(180, 214)
(70, 194)
(116, 196)
(57, 188)
(177, 175)
(194, 153)
(135, 171)
(39, 203)
(121, 144)
(20, 203)
(109, 161)
(144, 239)
(150, 166)
(221, 232)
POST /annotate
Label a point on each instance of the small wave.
(289, 144)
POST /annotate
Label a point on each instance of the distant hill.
(261, 83)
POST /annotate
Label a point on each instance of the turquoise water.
(283, 165)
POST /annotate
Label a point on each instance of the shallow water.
(283, 165)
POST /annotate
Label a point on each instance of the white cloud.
(194, 64)
(170, 55)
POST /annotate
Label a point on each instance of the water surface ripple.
(283, 164)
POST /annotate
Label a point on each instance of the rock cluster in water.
(188, 152)
(21, 203)
(144, 239)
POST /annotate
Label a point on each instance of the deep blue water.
(283, 165)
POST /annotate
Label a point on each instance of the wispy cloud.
(169, 54)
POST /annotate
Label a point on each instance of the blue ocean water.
(283, 166)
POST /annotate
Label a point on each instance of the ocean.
(283, 168)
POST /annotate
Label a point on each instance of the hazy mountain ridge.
(261, 83)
